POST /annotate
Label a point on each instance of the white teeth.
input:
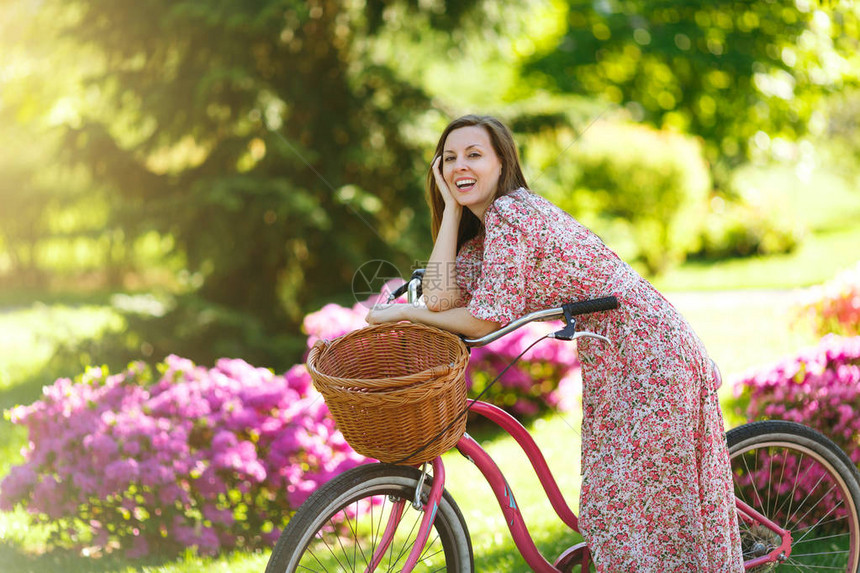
(465, 183)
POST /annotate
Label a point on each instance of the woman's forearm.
(440, 277)
(457, 320)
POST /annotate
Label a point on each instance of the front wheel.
(344, 525)
(804, 483)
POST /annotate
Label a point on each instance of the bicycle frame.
(513, 517)
(510, 509)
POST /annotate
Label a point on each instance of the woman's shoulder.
(512, 199)
(520, 208)
(515, 203)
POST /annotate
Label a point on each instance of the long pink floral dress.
(656, 486)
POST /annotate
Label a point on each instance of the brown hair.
(511, 178)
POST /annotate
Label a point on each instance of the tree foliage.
(722, 70)
(265, 139)
(654, 194)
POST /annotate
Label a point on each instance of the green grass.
(29, 336)
(17, 561)
(819, 258)
(827, 206)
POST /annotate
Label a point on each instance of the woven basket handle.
(318, 347)
(438, 371)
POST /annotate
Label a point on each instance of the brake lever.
(588, 334)
(569, 332)
(563, 334)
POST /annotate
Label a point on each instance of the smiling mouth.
(465, 183)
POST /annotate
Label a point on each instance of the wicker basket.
(392, 388)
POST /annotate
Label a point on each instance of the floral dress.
(656, 491)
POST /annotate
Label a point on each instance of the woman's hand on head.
(444, 190)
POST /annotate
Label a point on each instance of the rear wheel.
(804, 483)
(341, 526)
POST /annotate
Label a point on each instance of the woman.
(656, 487)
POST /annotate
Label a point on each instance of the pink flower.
(17, 486)
(332, 321)
(48, 497)
(121, 473)
(139, 548)
(162, 451)
(299, 379)
(220, 516)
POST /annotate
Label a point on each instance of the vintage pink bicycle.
(797, 499)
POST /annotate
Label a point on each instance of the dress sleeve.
(468, 269)
(500, 292)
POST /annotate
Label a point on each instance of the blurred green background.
(212, 171)
(194, 176)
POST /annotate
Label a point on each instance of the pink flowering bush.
(820, 387)
(207, 458)
(835, 305)
(547, 375)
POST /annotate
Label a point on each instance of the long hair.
(511, 178)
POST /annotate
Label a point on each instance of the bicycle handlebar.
(568, 310)
(413, 285)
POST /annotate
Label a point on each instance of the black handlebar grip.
(593, 305)
(399, 291)
(416, 274)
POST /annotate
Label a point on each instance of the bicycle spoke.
(343, 549)
(809, 495)
(798, 479)
(361, 518)
(790, 498)
(794, 483)
(782, 475)
(372, 536)
(825, 515)
(314, 555)
(338, 550)
(427, 547)
(769, 473)
(822, 524)
(814, 553)
(813, 567)
(329, 547)
(752, 475)
(356, 548)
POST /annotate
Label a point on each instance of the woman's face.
(471, 168)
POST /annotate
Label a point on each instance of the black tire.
(804, 483)
(321, 536)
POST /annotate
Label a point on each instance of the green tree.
(32, 188)
(266, 139)
(723, 70)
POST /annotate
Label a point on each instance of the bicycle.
(797, 499)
